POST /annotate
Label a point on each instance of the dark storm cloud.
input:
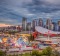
(14, 10)
(43, 6)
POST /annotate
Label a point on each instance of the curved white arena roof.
(45, 31)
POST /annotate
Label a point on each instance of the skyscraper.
(34, 23)
(48, 23)
(40, 22)
(54, 26)
(58, 25)
(24, 24)
(29, 26)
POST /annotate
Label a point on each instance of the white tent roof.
(45, 31)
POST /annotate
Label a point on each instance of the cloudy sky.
(12, 11)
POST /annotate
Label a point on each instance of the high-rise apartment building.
(58, 25)
(54, 27)
(48, 23)
(24, 24)
(40, 22)
(29, 26)
(34, 23)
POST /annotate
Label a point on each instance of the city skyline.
(12, 11)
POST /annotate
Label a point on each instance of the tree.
(47, 51)
(27, 54)
(35, 53)
(55, 53)
(2, 53)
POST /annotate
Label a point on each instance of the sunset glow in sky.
(4, 25)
